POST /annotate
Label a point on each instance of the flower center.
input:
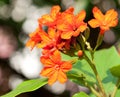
(104, 23)
(74, 28)
(57, 67)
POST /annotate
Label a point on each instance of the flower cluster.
(62, 30)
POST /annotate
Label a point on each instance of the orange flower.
(110, 19)
(71, 25)
(35, 38)
(51, 40)
(50, 20)
(54, 68)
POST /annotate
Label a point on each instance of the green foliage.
(75, 77)
(104, 60)
(116, 71)
(81, 73)
(27, 86)
(118, 93)
(85, 71)
(80, 94)
(3, 2)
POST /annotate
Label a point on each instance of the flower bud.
(80, 53)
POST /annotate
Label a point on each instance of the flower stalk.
(116, 88)
(92, 65)
(82, 41)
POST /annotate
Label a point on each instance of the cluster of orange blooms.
(61, 32)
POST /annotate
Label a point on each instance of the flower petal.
(54, 11)
(30, 43)
(81, 28)
(67, 34)
(80, 17)
(41, 45)
(68, 18)
(45, 19)
(56, 57)
(111, 15)
(98, 14)
(113, 23)
(45, 38)
(63, 26)
(66, 66)
(94, 23)
(62, 78)
(111, 18)
(46, 61)
(53, 78)
(69, 10)
(47, 72)
(65, 22)
(51, 33)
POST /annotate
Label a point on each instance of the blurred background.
(18, 18)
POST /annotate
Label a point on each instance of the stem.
(115, 89)
(94, 91)
(88, 46)
(99, 40)
(92, 65)
(95, 48)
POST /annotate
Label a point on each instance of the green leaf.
(77, 78)
(80, 94)
(27, 86)
(80, 70)
(104, 60)
(115, 71)
(118, 93)
(84, 70)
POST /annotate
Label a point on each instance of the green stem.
(99, 40)
(92, 65)
(94, 91)
(88, 46)
(115, 89)
(95, 48)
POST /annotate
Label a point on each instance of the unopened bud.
(80, 53)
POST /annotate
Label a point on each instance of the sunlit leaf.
(27, 86)
(80, 94)
(104, 60)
